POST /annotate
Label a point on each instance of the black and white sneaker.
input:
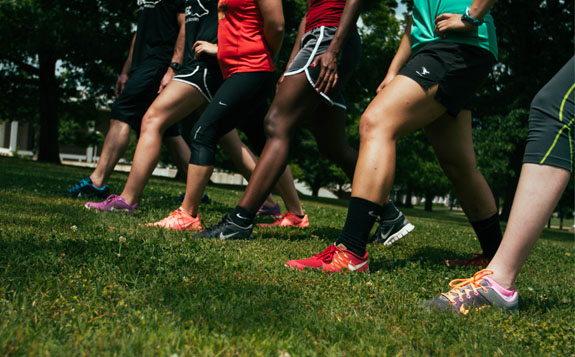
(390, 231)
(227, 229)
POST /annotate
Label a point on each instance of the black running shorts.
(140, 92)
(205, 79)
(551, 136)
(240, 102)
(458, 70)
(315, 42)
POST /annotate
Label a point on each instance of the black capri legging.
(240, 102)
(551, 136)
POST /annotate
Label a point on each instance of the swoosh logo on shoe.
(241, 217)
(226, 236)
(356, 267)
(463, 310)
(373, 214)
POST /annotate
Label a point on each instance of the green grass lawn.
(76, 282)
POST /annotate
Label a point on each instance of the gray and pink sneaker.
(113, 203)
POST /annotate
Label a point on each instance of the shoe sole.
(111, 210)
(399, 234)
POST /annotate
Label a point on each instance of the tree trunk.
(428, 202)
(408, 196)
(48, 148)
(315, 190)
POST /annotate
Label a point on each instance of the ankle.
(97, 181)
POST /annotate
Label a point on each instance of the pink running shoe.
(288, 220)
(113, 203)
(179, 220)
(273, 211)
(314, 262)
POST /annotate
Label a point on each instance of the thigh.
(452, 140)
(176, 101)
(233, 102)
(402, 107)
(295, 101)
(328, 125)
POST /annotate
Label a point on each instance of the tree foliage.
(60, 53)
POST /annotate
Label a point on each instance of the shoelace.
(458, 285)
(327, 255)
(111, 198)
(83, 182)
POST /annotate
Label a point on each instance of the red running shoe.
(288, 220)
(345, 260)
(333, 259)
(478, 261)
(316, 261)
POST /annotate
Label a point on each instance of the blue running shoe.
(86, 189)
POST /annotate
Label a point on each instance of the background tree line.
(59, 61)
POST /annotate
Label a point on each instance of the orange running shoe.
(288, 220)
(345, 260)
(179, 220)
(478, 261)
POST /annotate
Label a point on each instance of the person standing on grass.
(250, 33)
(154, 58)
(448, 49)
(191, 90)
(547, 168)
(326, 51)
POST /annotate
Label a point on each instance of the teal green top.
(425, 12)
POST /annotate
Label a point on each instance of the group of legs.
(402, 106)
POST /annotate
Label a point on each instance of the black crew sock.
(302, 216)
(361, 216)
(488, 233)
(242, 217)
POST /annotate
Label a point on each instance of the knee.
(151, 123)
(458, 171)
(372, 126)
(274, 127)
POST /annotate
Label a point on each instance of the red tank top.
(323, 13)
(241, 43)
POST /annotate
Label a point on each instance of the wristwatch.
(175, 66)
(466, 17)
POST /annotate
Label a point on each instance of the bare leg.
(451, 139)
(114, 147)
(286, 189)
(245, 161)
(175, 102)
(198, 177)
(329, 131)
(179, 151)
(400, 108)
(243, 158)
(294, 101)
(538, 192)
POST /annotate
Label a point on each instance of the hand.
(451, 22)
(202, 48)
(121, 84)
(279, 82)
(328, 75)
(388, 78)
(166, 79)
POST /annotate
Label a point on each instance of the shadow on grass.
(423, 256)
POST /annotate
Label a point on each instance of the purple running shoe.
(111, 204)
(273, 211)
